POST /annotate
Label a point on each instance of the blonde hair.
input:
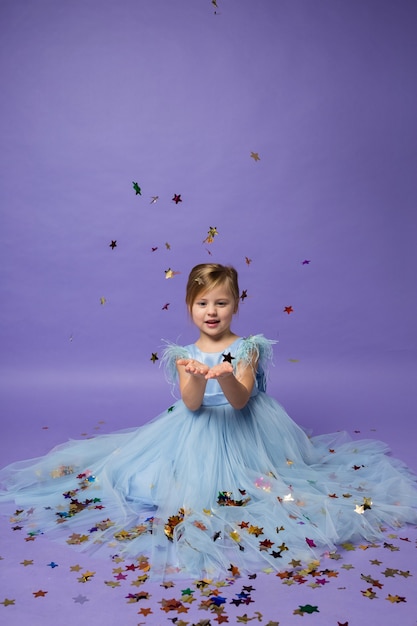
(206, 276)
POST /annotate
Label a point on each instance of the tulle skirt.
(211, 492)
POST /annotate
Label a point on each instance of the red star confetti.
(177, 198)
(165, 307)
(288, 309)
(146, 612)
(248, 261)
(39, 594)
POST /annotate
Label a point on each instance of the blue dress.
(213, 491)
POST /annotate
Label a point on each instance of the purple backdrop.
(176, 96)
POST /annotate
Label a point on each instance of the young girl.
(223, 481)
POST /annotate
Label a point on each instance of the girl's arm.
(192, 382)
(237, 388)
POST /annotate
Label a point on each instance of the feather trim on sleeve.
(261, 348)
(171, 353)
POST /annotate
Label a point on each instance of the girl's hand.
(222, 370)
(194, 367)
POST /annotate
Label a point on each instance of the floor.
(43, 583)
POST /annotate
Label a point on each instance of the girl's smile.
(213, 312)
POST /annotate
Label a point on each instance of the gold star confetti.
(169, 273)
(255, 156)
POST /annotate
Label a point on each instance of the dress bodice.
(213, 395)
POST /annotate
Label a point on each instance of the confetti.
(137, 189)
(212, 232)
(255, 156)
(113, 244)
(177, 198)
(80, 599)
(288, 309)
(169, 273)
(154, 357)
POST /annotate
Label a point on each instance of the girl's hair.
(206, 276)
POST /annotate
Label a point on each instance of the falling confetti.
(154, 357)
(288, 309)
(154, 199)
(137, 189)
(255, 156)
(212, 232)
(177, 198)
(169, 273)
(113, 244)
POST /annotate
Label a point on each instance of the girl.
(223, 481)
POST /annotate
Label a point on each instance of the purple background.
(97, 94)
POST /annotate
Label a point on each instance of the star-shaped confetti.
(8, 602)
(177, 198)
(255, 156)
(39, 594)
(154, 199)
(288, 309)
(137, 189)
(169, 273)
(154, 357)
(113, 244)
(307, 608)
(395, 599)
(212, 232)
(80, 599)
(227, 358)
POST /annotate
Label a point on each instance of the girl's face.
(212, 312)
